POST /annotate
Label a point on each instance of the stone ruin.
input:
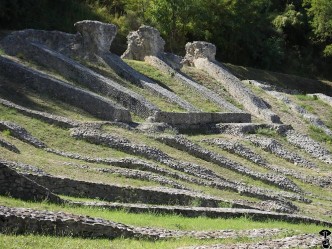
(144, 42)
(93, 42)
(97, 36)
(199, 49)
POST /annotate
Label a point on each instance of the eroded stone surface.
(146, 41)
(8, 146)
(201, 55)
(97, 36)
(199, 49)
(18, 186)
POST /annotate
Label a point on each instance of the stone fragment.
(199, 49)
(146, 41)
(97, 36)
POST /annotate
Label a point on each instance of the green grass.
(266, 132)
(206, 80)
(166, 221)
(161, 102)
(319, 135)
(167, 81)
(50, 242)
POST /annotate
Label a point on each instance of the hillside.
(143, 151)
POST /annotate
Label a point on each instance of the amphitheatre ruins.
(202, 142)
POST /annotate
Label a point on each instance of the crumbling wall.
(18, 186)
(42, 83)
(201, 55)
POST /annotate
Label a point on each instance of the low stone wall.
(225, 213)
(200, 89)
(273, 146)
(126, 71)
(131, 173)
(245, 152)
(92, 80)
(280, 95)
(8, 146)
(302, 241)
(18, 186)
(309, 145)
(21, 133)
(151, 195)
(183, 144)
(123, 144)
(44, 116)
(42, 83)
(325, 98)
(241, 129)
(200, 118)
(235, 87)
(202, 56)
(26, 220)
(201, 180)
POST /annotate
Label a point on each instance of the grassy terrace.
(161, 102)
(206, 80)
(175, 86)
(172, 222)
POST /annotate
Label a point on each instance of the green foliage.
(267, 34)
(320, 12)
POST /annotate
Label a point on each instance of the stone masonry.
(19, 186)
(43, 83)
(201, 55)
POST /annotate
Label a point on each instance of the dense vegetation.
(288, 35)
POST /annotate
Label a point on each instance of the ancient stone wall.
(163, 66)
(21, 220)
(88, 101)
(152, 195)
(201, 55)
(18, 186)
(197, 118)
(44, 116)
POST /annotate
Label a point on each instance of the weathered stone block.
(97, 36)
(146, 41)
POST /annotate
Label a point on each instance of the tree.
(321, 13)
